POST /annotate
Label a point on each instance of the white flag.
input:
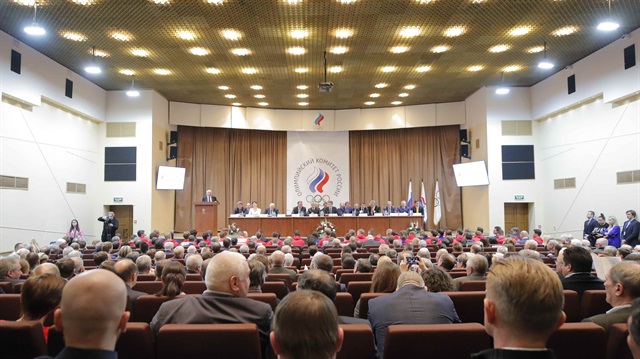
(410, 197)
(423, 202)
(436, 206)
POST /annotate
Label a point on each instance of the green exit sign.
(117, 199)
(519, 197)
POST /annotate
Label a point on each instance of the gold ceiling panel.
(266, 26)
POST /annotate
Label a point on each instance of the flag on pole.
(423, 203)
(410, 197)
(436, 206)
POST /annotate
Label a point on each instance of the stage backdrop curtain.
(237, 165)
(383, 162)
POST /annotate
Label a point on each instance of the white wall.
(163, 201)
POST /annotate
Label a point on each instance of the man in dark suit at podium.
(373, 208)
(330, 209)
(631, 229)
(209, 197)
(589, 225)
(299, 210)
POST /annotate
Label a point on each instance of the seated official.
(417, 208)
(254, 211)
(299, 210)
(402, 208)
(373, 208)
(272, 211)
(329, 209)
(314, 209)
(239, 208)
(389, 208)
(346, 208)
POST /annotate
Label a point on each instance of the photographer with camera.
(110, 226)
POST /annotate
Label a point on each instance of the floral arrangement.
(413, 227)
(233, 229)
(325, 226)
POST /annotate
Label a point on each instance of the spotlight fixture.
(502, 90)
(132, 91)
(93, 68)
(35, 29)
(545, 64)
(608, 25)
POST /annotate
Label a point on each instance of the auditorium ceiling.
(269, 53)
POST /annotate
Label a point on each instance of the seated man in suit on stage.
(373, 208)
(239, 209)
(314, 209)
(575, 264)
(346, 208)
(272, 211)
(299, 210)
(622, 287)
(356, 209)
(631, 229)
(209, 197)
(402, 208)
(417, 208)
(522, 308)
(476, 269)
(224, 301)
(388, 208)
(330, 209)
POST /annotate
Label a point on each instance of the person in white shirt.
(254, 211)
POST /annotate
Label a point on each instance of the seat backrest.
(9, 306)
(469, 305)
(358, 342)
(364, 303)
(146, 277)
(356, 288)
(17, 288)
(617, 347)
(148, 287)
(566, 341)
(195, 287)
(572, 306)
(404, 341)
(278, 288)
(146, 307)
(208, 341)
(594, 302)
(271, 277)
(340, 272)
(344, 304)
(348, 277)
(457, 274)
(7, 287)
(473, 285)
(269, 298)
(193, 277)
(22, 340)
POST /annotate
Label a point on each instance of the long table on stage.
(307, 225)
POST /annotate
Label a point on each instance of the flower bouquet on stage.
(324, 227)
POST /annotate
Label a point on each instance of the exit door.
(516, 215)
(124, 215)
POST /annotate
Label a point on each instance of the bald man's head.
(228, 272)
(277, 259)
(92, 311)
(45, 268)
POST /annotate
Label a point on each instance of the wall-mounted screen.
(170, 177)
(471, 174)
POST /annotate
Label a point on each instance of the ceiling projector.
(325, 86)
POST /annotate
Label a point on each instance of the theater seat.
(194, 277)
(21, 340)
(268, 298)
(436, 340)
(572, 306)
(469, 305)
(146, 307)
(280, 277)
(579, 340)
(194, 287)
(7, 287)
(364, 303)
(278, 288)
(617, 347)
(9, 306)
(473, 285)
(356, 288)
(344, 304)
(345, 278)
(146, 277)
(594, 302)
(148, 287)
(208, 341)
(358, 342)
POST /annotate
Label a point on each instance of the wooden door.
(124, 215)
(516, 215)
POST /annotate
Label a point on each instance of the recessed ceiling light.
(223, 88)
(409, 31)
(230, 96)
(236, 104)
(162, 72)
(249, 70)
(475, 68)
(302, 87)
(263, 104)
(160, 2)
(302, 95)
(215, 2)
(520, 30)
(374, 95)
(231, 34)
(241, 51)
(299, 34)
(410, 87)
(335, 69)
(343, 33)
(186, 35)
(369, 103)
(84, 2)
(121, 36)
(499, 48)
(339, 50)
(26, 2)
(256, 87)
(502, 90)
(297, 50)
(455, 31)
(440, 49)
(608, 25)
(101, 53)
(73, 36)
(346, 1)
(140, 52)
(127, 72)
(404, 94)
(199, 51)
(388, 69)
(423, 68)
(213, 70)
(395, 103)
(512, 68)
(259, 96)
(301, 70)
(381, 85)
(563, 31)
(535, 49)
(293, 2)
(424, 1)
(303, 103)
(399, 49)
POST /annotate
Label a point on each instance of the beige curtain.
(237, 165)
(383, 162)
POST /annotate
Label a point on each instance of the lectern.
(205, 216)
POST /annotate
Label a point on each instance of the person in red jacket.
(297, 240)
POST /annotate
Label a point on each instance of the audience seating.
(579, 340)
(10, 307)
(341, 271)
(344, 304)
(278, 288)
(572, 306)
(356, 288)
(457, 274)
(280, 277)
(617, 347)
(193, 277)
(473, 285)
(594, 302)
(305, 262)
(146, 277)
(268, 298)
(348, 277)
(7, 287)
(146, 307)
(196, 287)
(469, 305)
(358, 342)
(22, 340)
(364, 303)
(197, 341)
(148, 287)
(17, 288)
(438, 340)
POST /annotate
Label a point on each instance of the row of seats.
(25, 340)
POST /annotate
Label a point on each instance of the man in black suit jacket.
(631, 229)
(330, 209)
(314, 209)
(575, 264)
(239, 209)
(272, 211)
(373, 208)
(110, 226)
(299, 210)
(209, 197)
(417, 209)
(589, 225)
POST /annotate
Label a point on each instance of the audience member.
(10, 270)
(173, 276)
(436, 280)
(40, 295)
(67, 268)
(45, 268)
(633, 339)
(384, 280)
(257, 276)
(276, 261)
(576, 267)
(128, 272)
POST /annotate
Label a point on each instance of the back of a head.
(125, 269)
(322, 261)
(579, 259)
(173, 276)
(447, 261)
(40, 295)
(364, 266)
(385, 278)
(66, 267)
(528, 296)
(479, 263)
(627, 273)
(222, 268)
(436, 280)
(320, 281)
(193, 262)
(257, 273)
(410, 278)
(144, 263)
(305, 325)
(277, 259)
(45, 268)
